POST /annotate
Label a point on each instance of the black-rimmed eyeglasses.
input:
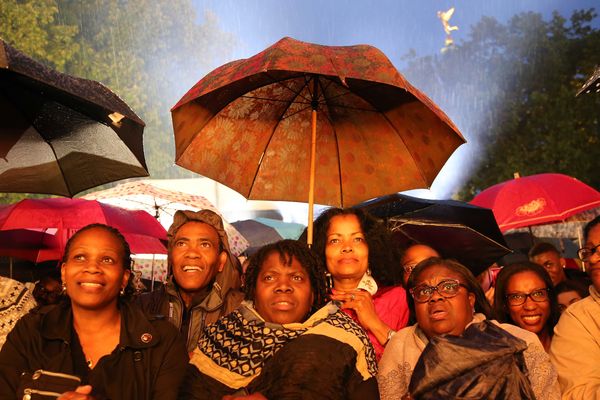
(538, 295)
(586, 252)
(447, 288)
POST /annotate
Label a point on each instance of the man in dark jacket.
(204, 276)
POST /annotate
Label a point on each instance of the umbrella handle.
(313, 150)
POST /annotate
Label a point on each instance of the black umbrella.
(257, 234)
(61, 134)
(455, 229)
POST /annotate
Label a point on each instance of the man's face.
(195, 256)
(553, 264)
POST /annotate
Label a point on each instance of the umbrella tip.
(516, 175)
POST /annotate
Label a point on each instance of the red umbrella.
(537, 199)
(299, 121)
(59, 218)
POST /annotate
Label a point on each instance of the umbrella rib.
(270, 136)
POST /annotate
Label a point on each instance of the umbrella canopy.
(61, 134)
(61, 218)
(592, 84)
(303, 122)
(262, 231)
(455, 229)
(162, 203)
(537, 199)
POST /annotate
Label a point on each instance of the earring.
(64, 288)
(122, 292)
(369, 271)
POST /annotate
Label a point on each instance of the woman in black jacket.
(96, 335)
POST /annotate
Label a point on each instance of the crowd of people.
(353, 317)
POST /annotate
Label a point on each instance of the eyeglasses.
(447, 288)
(538, 295)
(586, 252)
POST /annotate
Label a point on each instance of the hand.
(81, 393)
(362, 303)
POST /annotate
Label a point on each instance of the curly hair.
(506, 273)
(288, 249)
(468, 279)
(384, 254)
(126, 260)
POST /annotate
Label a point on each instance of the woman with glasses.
(575, 349)
(454, 351)
(524, 297)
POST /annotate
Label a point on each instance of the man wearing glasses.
(575, 349)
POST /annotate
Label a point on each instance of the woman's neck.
(546, 339)
(345, 284)
(93, 321)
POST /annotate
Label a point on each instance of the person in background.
(575, 349)
(48, 289)
(548, 256)
(525, 297)
(569, 292)
(16, 301)
(96, 334)
(362, 260)
(285, 341)
(413, 255)
(204, 276)
(442, 352)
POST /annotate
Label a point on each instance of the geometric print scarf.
(235, 348)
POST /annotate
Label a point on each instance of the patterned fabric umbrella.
(304, 122)
(537, 199)
(60, 134)
(162, 203)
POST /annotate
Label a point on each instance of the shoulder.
(520, 333)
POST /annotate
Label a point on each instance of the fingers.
(81, 393)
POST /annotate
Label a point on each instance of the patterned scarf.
(235, 348)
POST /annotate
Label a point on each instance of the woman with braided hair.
(284, 341)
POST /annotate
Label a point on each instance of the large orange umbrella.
(336, 125)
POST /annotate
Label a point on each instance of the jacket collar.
(136, 331)
(213, 301)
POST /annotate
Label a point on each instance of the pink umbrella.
(59, 218)
(537, 199)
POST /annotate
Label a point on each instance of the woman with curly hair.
(284, 341)
(364, 265)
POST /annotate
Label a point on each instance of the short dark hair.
(570, 285)
(588, 227)
(469, 280)
(542, 247)
(500, 304)
(129, 290)
(288, 249)
(384, 256)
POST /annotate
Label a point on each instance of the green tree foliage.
(511, 90)
(149, 52)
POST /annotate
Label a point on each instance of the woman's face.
(531, 315)
(346, 250)
(283, 293)
(93, 272)
(442, 315)
(565, 299)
